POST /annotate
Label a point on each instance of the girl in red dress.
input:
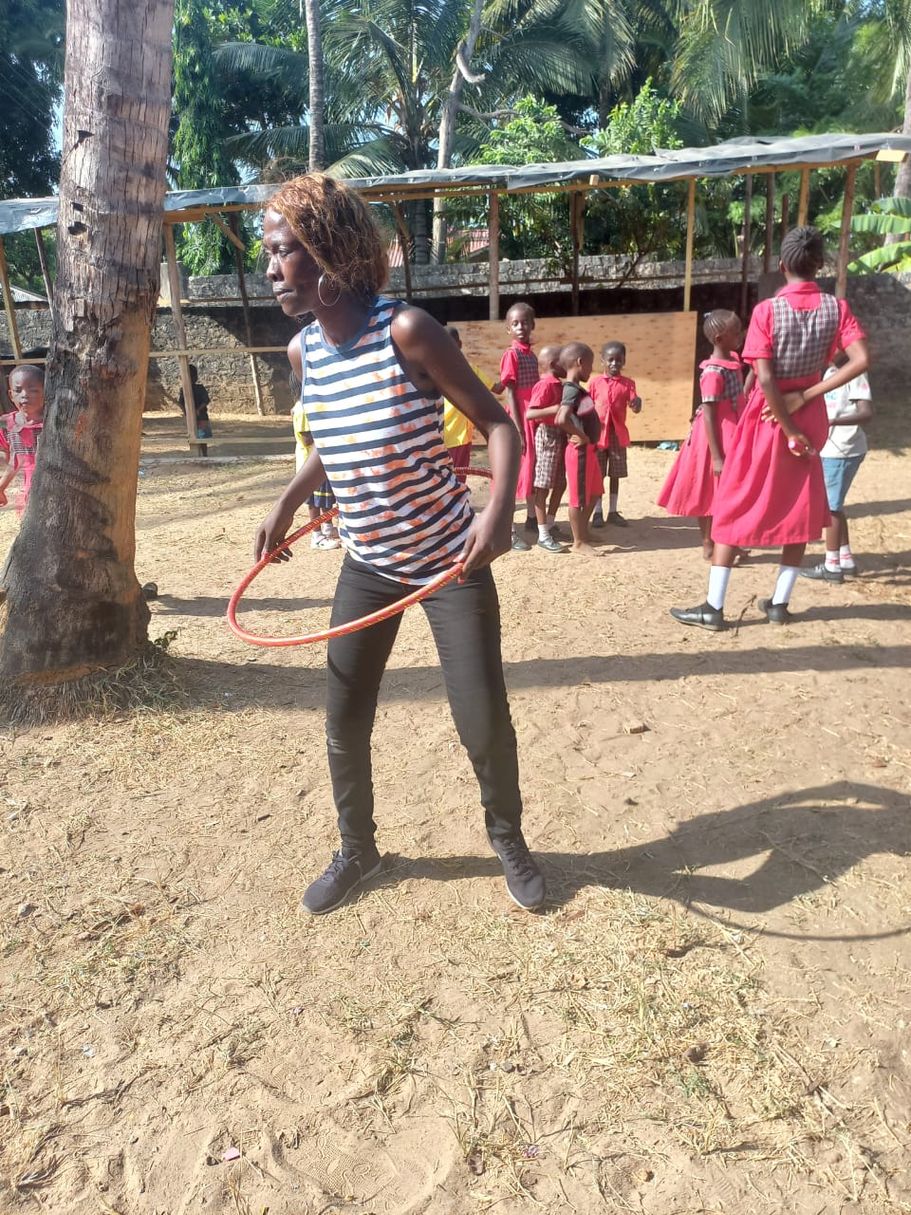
(690, 485)
(771, 491)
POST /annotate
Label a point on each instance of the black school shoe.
(524, 880)
(703, 617)
(342, 877)
(821, 573)
(775, 613)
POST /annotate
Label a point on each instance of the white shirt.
(845, 441)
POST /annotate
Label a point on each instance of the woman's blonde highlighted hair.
(335, 226)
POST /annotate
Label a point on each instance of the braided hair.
(717, 321)
(802, 252)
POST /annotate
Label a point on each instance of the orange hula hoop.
(340, 630)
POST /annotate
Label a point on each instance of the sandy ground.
(711, 1016)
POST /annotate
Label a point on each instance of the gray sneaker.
(342, 877)
(519, 545)
(524, 880)
(550, 545)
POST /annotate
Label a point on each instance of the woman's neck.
(343, 320)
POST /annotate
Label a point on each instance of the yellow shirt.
(302, 440)
(457, 429)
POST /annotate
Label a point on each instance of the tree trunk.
(70, 602)
(448, 127)
(317, 88)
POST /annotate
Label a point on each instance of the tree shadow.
(800, 841)
(217, 605)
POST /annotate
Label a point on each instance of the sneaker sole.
(348, 893)
(526, 906)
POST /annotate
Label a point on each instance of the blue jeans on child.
(839, 472)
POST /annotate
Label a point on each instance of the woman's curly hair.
(335, 226)
(802, 252)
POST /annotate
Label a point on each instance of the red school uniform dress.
(612, 395)
(19, 443)
(583, 476)
(690, 485)
(519, 367)
(550, 440)
(766, 495)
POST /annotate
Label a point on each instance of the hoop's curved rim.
(352, 626)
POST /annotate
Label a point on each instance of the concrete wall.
(882, 302)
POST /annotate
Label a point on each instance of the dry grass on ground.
(712, 1016)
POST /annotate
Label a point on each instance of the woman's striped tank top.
(402, 510)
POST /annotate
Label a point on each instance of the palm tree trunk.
(448, 125)
(317, 158)
(903, 176)
(71, 603)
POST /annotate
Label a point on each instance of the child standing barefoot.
(771, 491)
(690, 485)
(20, 429)
(578, 418)
(613, 393)
(518, 375)
(550, 445)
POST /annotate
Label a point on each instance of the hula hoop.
(340, 630)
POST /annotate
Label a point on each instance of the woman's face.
(293, 273)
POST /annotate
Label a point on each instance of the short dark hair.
(613, 346)
(28, 369)
(524, 306)
(453, 333)
(717, 321)
(572, 352)
(803, 252)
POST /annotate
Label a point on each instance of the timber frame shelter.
(750, 157)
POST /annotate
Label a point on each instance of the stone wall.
(882, 302)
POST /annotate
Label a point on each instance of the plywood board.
(660, 357)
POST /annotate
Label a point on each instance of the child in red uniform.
(550, 445)
(20, 429)
(579, 419)
(613, 393)
(690, 485)
(518, 375)
(771, 491)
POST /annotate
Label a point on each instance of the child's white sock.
(613, 503)
(787, 576)
(833, 559)
(719, 577)
(599, 507)
(543, 531)
(845, 557)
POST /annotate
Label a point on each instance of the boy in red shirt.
(518, 375)
(613, 393)
(550, 445)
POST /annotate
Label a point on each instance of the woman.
(771, 490)
(373, 371)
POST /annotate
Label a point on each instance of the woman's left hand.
(490, 537)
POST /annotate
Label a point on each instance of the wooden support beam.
(844, 241)
(769, 241)
(690, 237)
(239, 251)
(9, 305)
(405, 245)
(180, 331)
(746, 233)
(42, 261)
(785, 214)
(803, 203)
(493, 253)
(577, 228)
(229, 229)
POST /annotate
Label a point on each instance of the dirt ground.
(712, 1015)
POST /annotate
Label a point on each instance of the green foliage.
(889, 217)
(639, 127)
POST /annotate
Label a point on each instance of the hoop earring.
(319, 292)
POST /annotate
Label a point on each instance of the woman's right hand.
(272, 531)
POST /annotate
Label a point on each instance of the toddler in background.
(579, 419)
(458, 431)
(518, 375)
(20, 429)
(613, 393)
(550, 445)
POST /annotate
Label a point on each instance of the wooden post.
(746, 233)
(493, 253)
(785, 213)
(238, 244)
(690, 236)
(180, 330)
(8, 304)
(769, 223)
(42, 261)
(405, 246)
(577, 226)
(841, 274)
(803, 204)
